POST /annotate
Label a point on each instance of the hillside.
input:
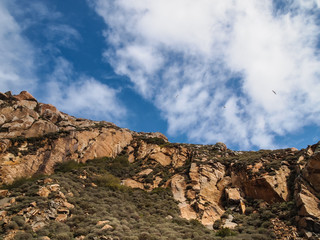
(68, 178)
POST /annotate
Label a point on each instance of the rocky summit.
(64, 177)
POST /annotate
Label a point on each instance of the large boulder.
(24, 95)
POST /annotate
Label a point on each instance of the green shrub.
(12, 225)
(108, 180)
(67, 166)
(217, 224)
(225, 232)
(23, 236)
(64, 236)
(19, 220)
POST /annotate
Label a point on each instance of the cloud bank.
(82, 95)
(211, 66)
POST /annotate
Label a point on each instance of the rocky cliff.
(210, 183)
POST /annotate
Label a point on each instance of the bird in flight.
(274, 92)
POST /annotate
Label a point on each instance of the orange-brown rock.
(308, 203)
(312, 171)
(161, 158)
(232, 195)
(44, 192)
(271, 188)
(132, 183)
(24, 95)
(61, 217)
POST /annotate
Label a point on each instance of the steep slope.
(211, 183)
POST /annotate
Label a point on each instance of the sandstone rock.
(12, 200)
(186, 211)
(209, 177)
(109, 143)
(229, 224)
(256, 168)
(2, 119)
(220, 146)
(178, 187)
(210, 215)
(145, 172)
(145, 149)
(270, 188)
(107, 227)
(233, 195)
(54, 187)
(278, 182)
(132, 183)
(19, 125)
(309, 151)
(5, 202)
(50, 112)
(70, 194)
(300, 159)
(68, 205)
(61, 217)
(102, 222)
(3, 214)
(130, 149)
(195, 176)
(131, 158)
(308, 203)
(191, 194)
(44, 238)
(44, 192)
(4, 193)
(28, 104)
(161, 158)
(41, 127)
(80, 237)
(47, 181)
(24, 95)
(312, 171)
(242, 207)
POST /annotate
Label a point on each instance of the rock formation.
(206, 180)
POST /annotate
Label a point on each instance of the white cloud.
(62, 35)
(82, 95)
(17, 55)
(193, 57)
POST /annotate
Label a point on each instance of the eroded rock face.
(312, 171)
(271, 188)
(46, 137)
(204, 179)
(307, 187)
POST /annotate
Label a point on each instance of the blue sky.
(199, 71)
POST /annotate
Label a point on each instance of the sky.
(246, 73)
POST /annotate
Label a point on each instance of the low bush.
(224, 232)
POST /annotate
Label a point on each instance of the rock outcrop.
(35, 136)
